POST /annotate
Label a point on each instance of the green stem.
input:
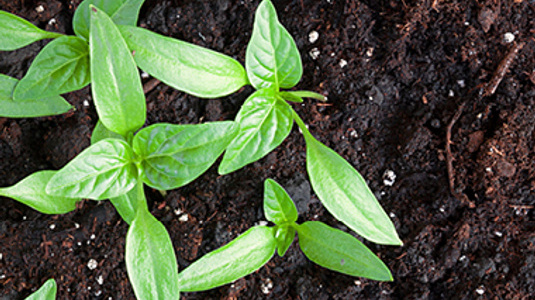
(302, 126)
(309, 94)
(141, 200)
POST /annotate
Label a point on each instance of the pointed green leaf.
(116, 85)
(28, 109)
(265, 121)
(241, 257)
(184, 66)
(278, 206)
(126, 205)
(61, 67)
(339, 251)
(101, 171)
(45, 292)
(272, 58)
(100, 132)
(291, 97)
(122, 12)
(16, 32)
(150, 259)
(174, 155)
(345, 194)
(284, 235)
(31, 191)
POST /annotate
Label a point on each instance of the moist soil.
(395, 73)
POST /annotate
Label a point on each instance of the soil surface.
(395, 73)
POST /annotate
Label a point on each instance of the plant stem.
(302, 126)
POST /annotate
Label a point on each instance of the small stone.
(76, 225)
(508, 37)
(505, 168)
(52, 226)
(498, 234)
(262, 223)
(92, 237)
(39, 9)
(369, 52)
(100, 280)
(461, 83)
(92, 264)
(52, 21)
(313, 36)
(86, 103)
(183, 218)
(24, 218)
(178, 211)
(266, 286)
(358, 282)
(451, 93)
(3, 276)
(144, 75)
(480, 290)
(442, 209)
(343, 63)
(389, 177)
(392, 215)
(314, 53)
(1, 256)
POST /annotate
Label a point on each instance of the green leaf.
(291, 97)
(339, 251)
(265, 121)
(16, 32)
(116, 84)
(345, 194)
(244, 255)
(272, 58)
(150, 259)
(31, 191)
(174, 155)
(45, 292)
(100, 132)
(302, 94)
(61, 67)
(284, 235)
(28, 109)
(102, 171)
(278, 206)
(126, 205)
(184, 66)
(122, 12)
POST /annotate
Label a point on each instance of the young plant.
(328, 247)
(46, 292)
(266, 119)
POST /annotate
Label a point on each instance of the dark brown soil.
(395, 73)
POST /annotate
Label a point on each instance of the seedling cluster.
(106, 52)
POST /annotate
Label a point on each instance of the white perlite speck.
(358, 282)
(313, 36)
(343, 63)
(52, 226)
(100, 280)
(144, 75)
(480, 290)
(389, 177)
(266, 286)
(92, 264)
(39, 9)
(508, 37)
(92, 237)
(314, 53)
(86, 103)
(183, 218)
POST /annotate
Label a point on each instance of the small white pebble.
(144, 75)
(3, 276)
(178, 212)
(88, 242)
(76, 225)
(467, 23)
(262, 223)
(480, 115)
(508, 37)
(100, 280)
(488, 169)
(461, 83)
(79, 243)
(343, 63)
(354, 134)
(480, 290)
(92, 264)
(183, 218)
(389, 177)
(392, 215)
(52, 21)
(39, 9)
(382, 193)
(86, 103)
(369, 52)
(88, 288)
(314, 53)
(442, 209)
(451, 93)
(24, 218)
(358, 282)
(98, 293)
(1, 256)
(462, 258)
(313, 36)
(498, 234)
(52, 226)
(92, 237)
(266, 286)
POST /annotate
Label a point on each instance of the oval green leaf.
(122, 12)
(102, 171)
(278, 206)
(116, 85)
(150, 259)
(265, 121)
(284, 235)
(241, 257)
(174, 155)
(186, 67)
(61, 67)
(272, 58)
(345, 194)
(126, 205)
(339, 251)
(31, 191)
(46, 292)
(16, 32)
(50, 106)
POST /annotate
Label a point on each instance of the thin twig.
(500, 72)
(150, 85)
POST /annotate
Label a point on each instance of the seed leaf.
(339, 251)
(186, 67)
(102, 171)
(16, 32)
(265, 121)
(61, 67)
(284, 235)
(244, 255)
(45, 292)
(272, 58)
(116, 85)
(31, 191)
(150, 259)
(278, 206)
(174, 155)
(50, 106)
(346, 195)
(122, 12)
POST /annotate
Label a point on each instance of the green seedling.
(266, 119)
(326, 246)
(46, 292)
